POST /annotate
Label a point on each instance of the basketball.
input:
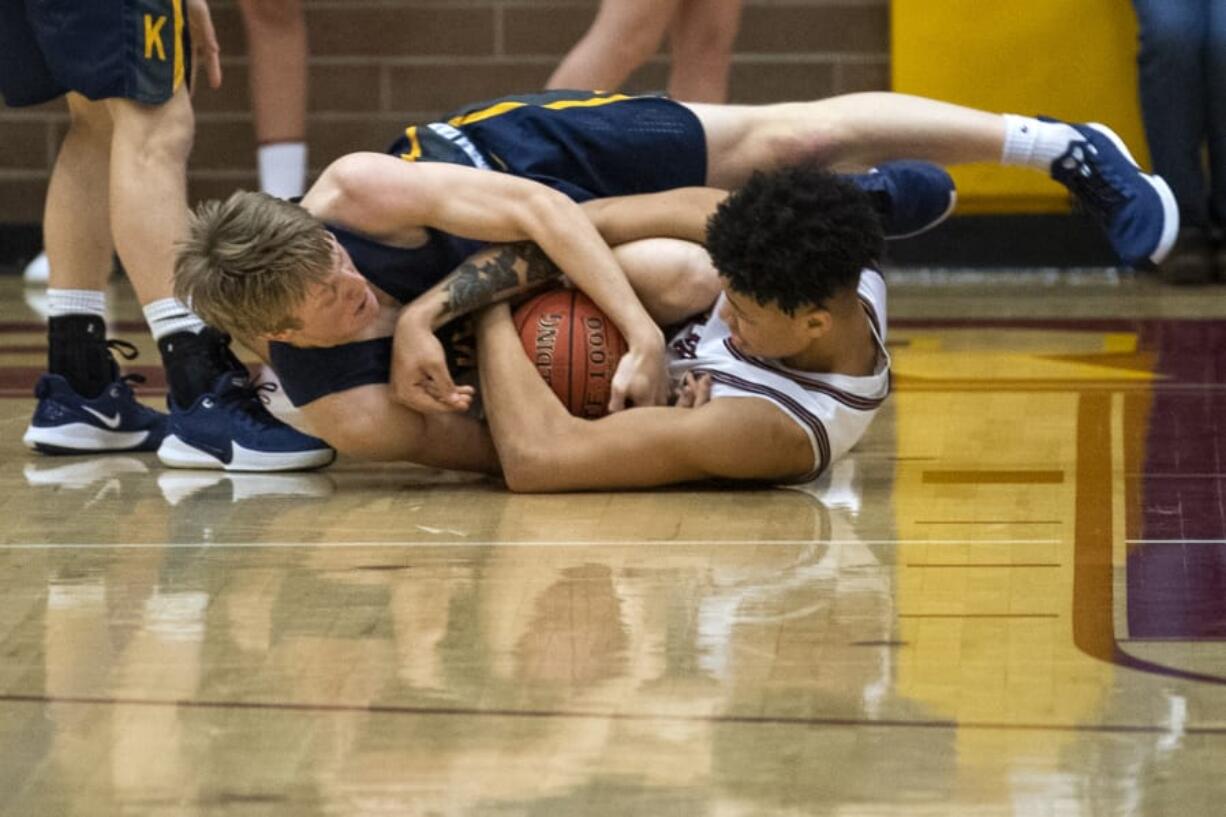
(574, 347)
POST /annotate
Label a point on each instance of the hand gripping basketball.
(575, 348)
(639, 381)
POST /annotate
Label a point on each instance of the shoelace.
(258, 391)
(1100, 188)
(127, 351)
(252, 398)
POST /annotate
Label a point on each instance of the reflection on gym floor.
(1008, 600)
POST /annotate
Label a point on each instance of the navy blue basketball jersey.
(307, 374)
(583, 144)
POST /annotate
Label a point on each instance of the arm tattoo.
(491, 278)
(540, 268)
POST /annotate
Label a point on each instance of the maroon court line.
(546, 714)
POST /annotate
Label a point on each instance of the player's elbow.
(363, 440)
(346, 180)
(545, 208)
(534, 463)
(693, 287)
(526, 468)
(354, 444)
(532, 479)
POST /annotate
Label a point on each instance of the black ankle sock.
(76, 350)
(194, 361)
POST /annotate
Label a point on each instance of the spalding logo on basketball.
(574, 347)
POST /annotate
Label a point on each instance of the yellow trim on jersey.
(179, 61)
(510, 105)
(415, 151)
(594, 102)
(485, 113)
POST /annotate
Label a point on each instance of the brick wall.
(379, 64)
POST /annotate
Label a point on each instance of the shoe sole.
(941, 219)
(175, 453)
(1170, 209)
(83, 438)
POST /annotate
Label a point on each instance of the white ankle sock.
(61, 302)
(169, 315)
(282, 168)
(1031, 143)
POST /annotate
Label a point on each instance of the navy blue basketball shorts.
(134, 49)
(582, 143)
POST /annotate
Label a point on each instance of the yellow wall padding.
(1071, 59)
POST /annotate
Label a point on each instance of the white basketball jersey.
(833, 409)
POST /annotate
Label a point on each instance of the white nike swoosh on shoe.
(109, 422)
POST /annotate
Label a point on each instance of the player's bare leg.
(78, 238)
(624, 35)
(148, 165)
(852, 132)
(1137, 211)
(83, 384)
(700, 42)
(277, 46)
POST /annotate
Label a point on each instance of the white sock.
(282, 168)
(1031, 143)
(169, 315)
(61, 302)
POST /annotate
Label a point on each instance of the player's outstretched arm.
(543, 448)
(366, 423)
(679, 213)
(386, 197)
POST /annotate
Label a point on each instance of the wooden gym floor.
(1011, 600)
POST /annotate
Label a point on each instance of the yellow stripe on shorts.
(415, 150)
(179, 60)
(510, 105)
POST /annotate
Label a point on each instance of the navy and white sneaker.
(67, 423)
(230, 428)
(1137, 210)
(911, 197)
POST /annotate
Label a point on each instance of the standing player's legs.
(277, 45)
(860, 130)
(143, 92)
(1215, 74)
(1175, 99)
(78, 238)
(623, 36)
(148, 191)
(84, 405)
(700, 42)
(149, 165)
